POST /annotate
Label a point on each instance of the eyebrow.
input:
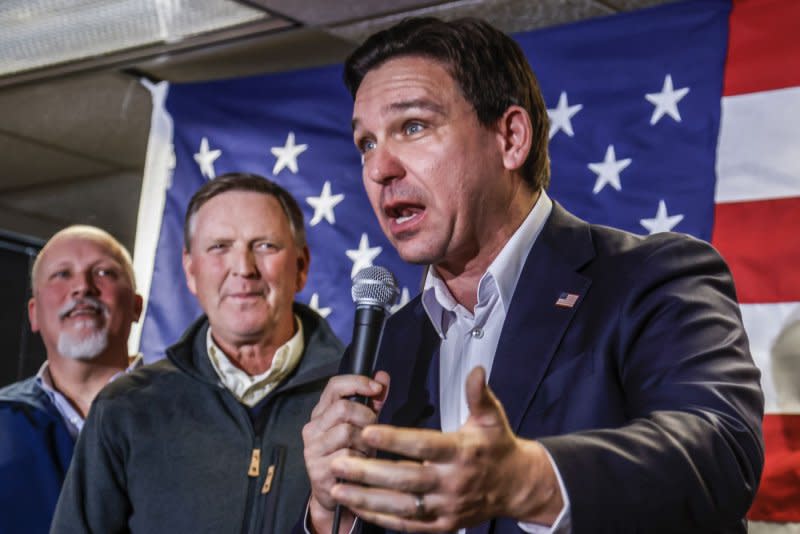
(274, 236)
(56, 266)
(418, 103)
(69, 264)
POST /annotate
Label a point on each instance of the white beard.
(84, 347)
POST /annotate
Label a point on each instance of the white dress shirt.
(72, 418)
(470, 339)
(247, 389)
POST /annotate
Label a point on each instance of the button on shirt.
(72, 418)
(249, 390)
(470, 339)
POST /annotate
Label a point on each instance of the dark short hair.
(488, 66)
(239, 181)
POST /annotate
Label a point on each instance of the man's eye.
(217, 247)
(63, 273)
(365, 145)
(412, 128)
(264, 245)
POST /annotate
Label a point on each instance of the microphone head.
(374, 286)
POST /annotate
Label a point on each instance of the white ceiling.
(73, 138)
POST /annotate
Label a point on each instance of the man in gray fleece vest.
(208, 440)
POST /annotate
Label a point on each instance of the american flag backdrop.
(684, 117)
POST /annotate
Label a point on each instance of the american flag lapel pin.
(566, 300)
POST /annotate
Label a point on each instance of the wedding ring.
(420, 502)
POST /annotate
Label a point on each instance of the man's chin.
(246, 332)
(415, 255)
(87, 346)
(250, 333)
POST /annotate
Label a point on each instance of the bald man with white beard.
(83, 303)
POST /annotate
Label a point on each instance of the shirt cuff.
(307, 514)
(563, 523)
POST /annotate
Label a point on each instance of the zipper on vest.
(268, 480)
(255, 463)
(253, 474)
(270, 490)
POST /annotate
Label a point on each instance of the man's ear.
(138, 304)
(32, 315)
(515, 135)
(189, 272)
(303, 261)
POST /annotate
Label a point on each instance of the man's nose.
(382, 165)
(244, 263)
(84, 284)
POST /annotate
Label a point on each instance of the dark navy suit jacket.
(644, 392)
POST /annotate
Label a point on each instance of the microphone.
(374, 291)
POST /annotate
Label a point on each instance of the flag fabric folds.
(681, 118)
(757, 218)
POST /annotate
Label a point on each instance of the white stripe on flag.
(759, 146)
(763, 323)
(157, 170)
(764, 527)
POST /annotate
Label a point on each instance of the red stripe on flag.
(763, 48)
(778, 497)
(760, 242)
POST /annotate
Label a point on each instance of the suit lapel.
(534, 324)
(412, 363)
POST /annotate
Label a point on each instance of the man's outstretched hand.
(450, 480)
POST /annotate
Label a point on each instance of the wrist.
(535, 496)
(320, 519)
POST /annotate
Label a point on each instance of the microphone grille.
(376, 286)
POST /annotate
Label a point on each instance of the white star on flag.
(560, 116)
(608, 170)
(363, 256)
(404, 298)
(661, 222)
(314, 305)
(205, 158)
(287, 155)
(666, 102)
(323, 205)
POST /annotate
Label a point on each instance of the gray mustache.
(87, 302)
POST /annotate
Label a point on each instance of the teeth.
(404, 218)
(85, 311)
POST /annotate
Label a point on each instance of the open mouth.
(83, 310)
(401, 214)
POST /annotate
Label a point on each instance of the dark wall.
(23, 351)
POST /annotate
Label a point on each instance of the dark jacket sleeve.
(35, 450)
(690, 458)
(94, 497)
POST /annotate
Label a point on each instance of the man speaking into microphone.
(553, 376)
